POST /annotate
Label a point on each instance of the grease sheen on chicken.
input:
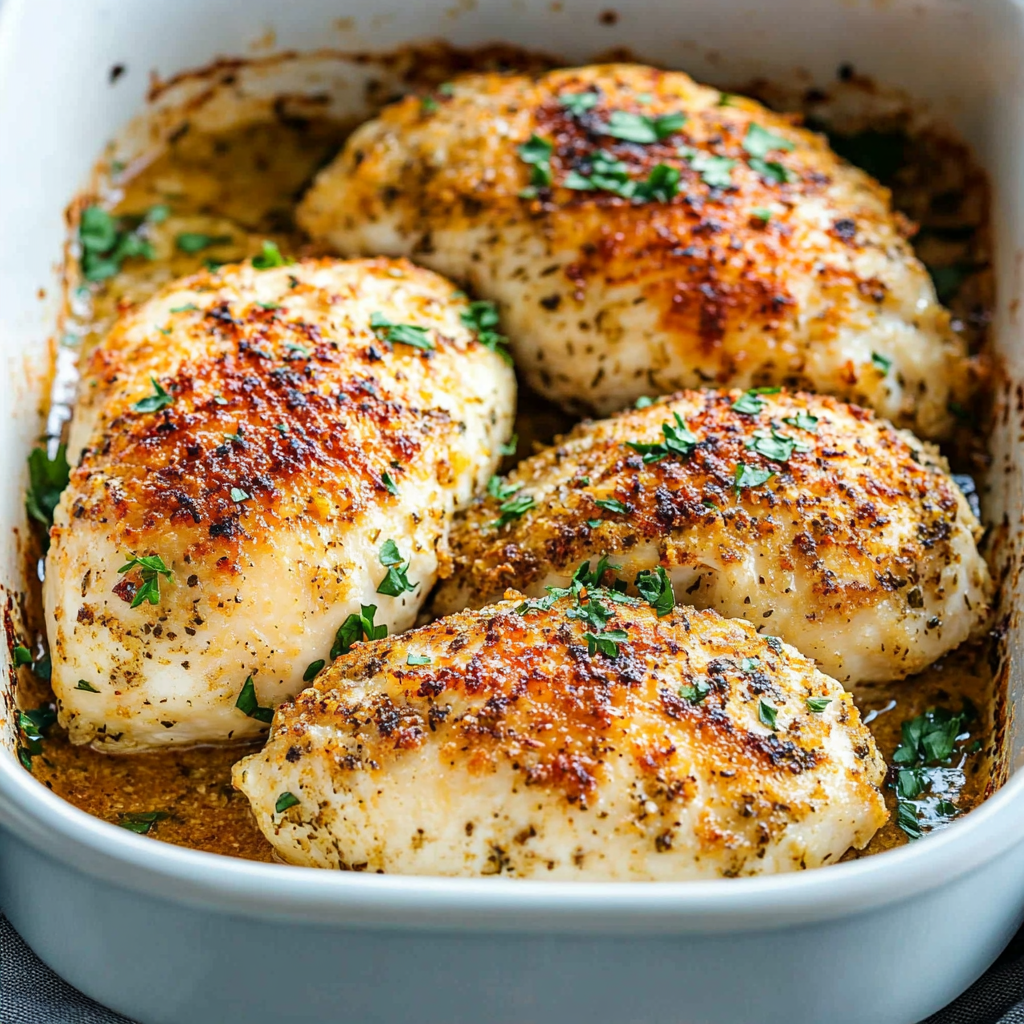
(283, 453)
(858, 548)
(502, 740)
(667, 237)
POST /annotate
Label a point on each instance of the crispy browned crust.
(519, 689)
(862, 513)
(736, 297)
(263, 402)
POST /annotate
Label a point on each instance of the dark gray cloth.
(30, 993)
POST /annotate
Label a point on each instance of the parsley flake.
(47, 479)
(151, 568)
(578, 103)
(249, 705)
(536, 152)
(395, 582)
(418, 659)
(390, 486)
(108, 241)
(761, 214)
(759, 142)
(193, 241)
(803, 421)
(775, 446)
(356, 628)
(270, 256)
(312, 669)
(643, 402)
(640, 128)
(679, 440)
(817, 704)
(22, 656)
(767, 714)
(400, 334)
(482, 319)
(655, 588)
(750, 402)
(606, 642)
(750, 476)
(771, 170)
(140, 822)
(696, 691)
(715, 171)
(84, 684)
(284, 801)
(237, 494)
(882, 363)
(160, 399)
(513, 508)
(509, 447)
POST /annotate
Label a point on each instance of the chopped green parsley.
(249, 705)
(160, 399)
(151, 568)
(750, 476)
(356, 628)
(47, 479)
(312, 669)
(696, 691)
(578, 103)
(395, 582)
(655, 588)
(193, 241)
(640, 128)
(270, 256)
(482, 318)
(284, 801)
(750, 402)
(775, 446)
(817, 704)
(606, 642)
(679, 441)
(767, 714)
(536, 152)
(400, 334)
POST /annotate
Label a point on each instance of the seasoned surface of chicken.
(643, 234)
(265, 453)
(808, 517)
(587, 739)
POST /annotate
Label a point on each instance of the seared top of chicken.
(234, 380)
(577, 737)
(265, 451)
(810, 517)
(645, 233)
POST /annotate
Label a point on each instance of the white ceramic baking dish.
(169, 935)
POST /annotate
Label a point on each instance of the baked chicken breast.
(643, 233)
(808, 517)
(270, 455)
(577, 738)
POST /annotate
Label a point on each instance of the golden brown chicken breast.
(643, 233)
(270, 457)
(583, 737)
(806, 516)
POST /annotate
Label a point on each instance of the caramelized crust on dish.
(787, 267)
(497, 741)
(858, 549)
(253, 431)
